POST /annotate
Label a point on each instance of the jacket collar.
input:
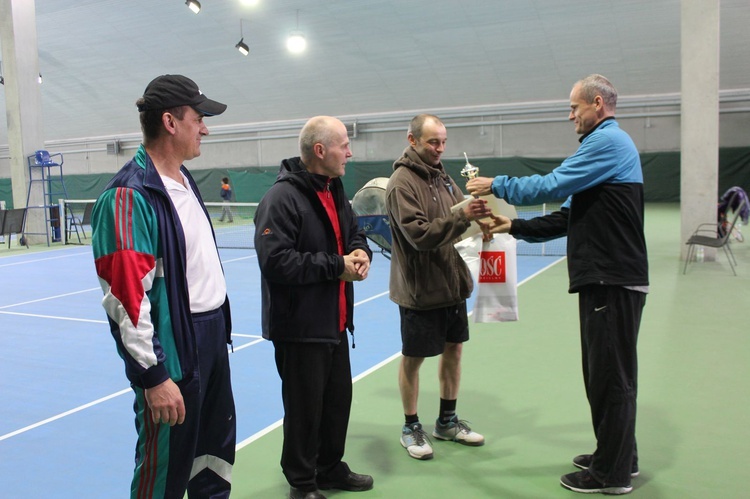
(294, 170)
(410, 159)
(582, 137)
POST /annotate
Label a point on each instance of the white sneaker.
(416, 441)
(457, 430)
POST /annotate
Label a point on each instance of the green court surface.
(522, 388)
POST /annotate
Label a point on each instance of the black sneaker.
(584, 461)
(348, 480)
(582, 481)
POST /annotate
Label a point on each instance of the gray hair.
(319, 129)
(596, 84)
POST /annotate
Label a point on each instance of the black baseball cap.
(168, 91)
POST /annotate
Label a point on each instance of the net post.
(63, 207)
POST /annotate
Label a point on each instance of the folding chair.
(715, 235)
(12, 223)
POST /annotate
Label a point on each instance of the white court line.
(259, 339)
(542, 270)
(267, 429)
(371, 298)
(79, 292)
(62, 415)
(232, 260)
(242, 347)
(40, 316)
(43, 259)
(273, 426)
(98, 401)
(51, 297)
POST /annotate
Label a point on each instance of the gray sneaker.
(457, 430)
(416, 442)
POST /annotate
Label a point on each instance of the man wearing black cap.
(165, 297)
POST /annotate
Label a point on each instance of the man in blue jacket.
(310, 251)
(607, 267)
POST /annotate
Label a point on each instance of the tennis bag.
(368, 205)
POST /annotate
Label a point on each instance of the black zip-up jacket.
(606, 244)
(298, 256)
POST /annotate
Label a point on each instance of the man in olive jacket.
(429, 280)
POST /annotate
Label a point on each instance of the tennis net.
(555, 247)
(235, 229)
(233, 224)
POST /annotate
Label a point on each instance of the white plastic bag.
(494, 270)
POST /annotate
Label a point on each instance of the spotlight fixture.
(296, 42)
(193, 5)
(241, 45)
(40, 78)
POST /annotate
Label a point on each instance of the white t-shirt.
(206, 285)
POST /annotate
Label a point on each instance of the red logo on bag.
(492, 266)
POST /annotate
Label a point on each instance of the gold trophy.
(496, 205)
(469, 171)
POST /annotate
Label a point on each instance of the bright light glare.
(250, 3)
(296, 43)
(193, 5)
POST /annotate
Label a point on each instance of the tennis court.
(66, 423)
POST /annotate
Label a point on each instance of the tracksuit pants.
(316, 388)
(610, 318)
(198, 454)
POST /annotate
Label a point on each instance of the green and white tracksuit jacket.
(139, 250)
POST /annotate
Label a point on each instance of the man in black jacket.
(310, 251)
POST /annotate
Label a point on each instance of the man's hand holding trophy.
(482, 186)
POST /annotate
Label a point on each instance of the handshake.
(477, 210)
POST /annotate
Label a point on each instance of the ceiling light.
(241, 45)
(40, 78)
(249, 3)
(296, 42)
(193, 5)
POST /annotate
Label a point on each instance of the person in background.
(607, 267)
(226, 196)
(166, 300)
(429, 280)
(310, 251)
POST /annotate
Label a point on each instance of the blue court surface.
(66, 419)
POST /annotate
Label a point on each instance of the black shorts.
(424, 333)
